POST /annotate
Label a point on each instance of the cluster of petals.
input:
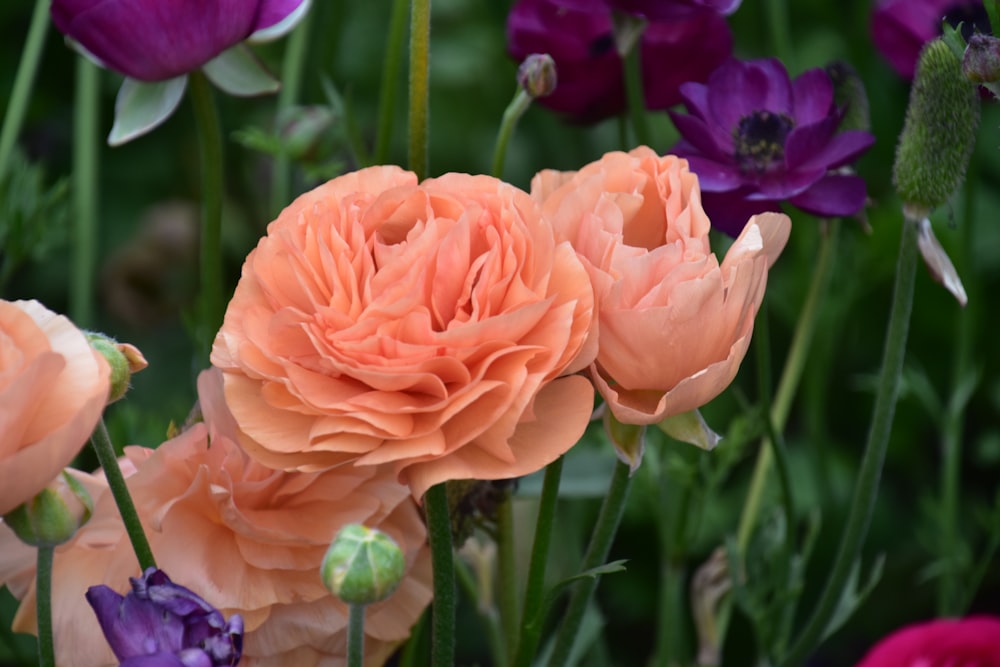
(756, 139)
(683, 41)
(247, 539)
(966, 642)
(432, 327)
(673, 323)
(53, 389)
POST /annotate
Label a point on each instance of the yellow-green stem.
(512, 114)
(356, 636)
(17, 103)
(420, 46)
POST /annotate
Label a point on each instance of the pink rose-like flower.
(940, 643)
(53, 389)
(430, 327)
(674, 323)
(247, 539)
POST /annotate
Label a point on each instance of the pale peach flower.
(431, 327)
(246, 538)
(674, 323)
(53, 389)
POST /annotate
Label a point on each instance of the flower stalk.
(85, 188)
(291, 85)
(43, 595)
(420, 45)
(17, 104)
(356, 636)
(390, 70)
(511, 115)
(507, 564)
(443, 562)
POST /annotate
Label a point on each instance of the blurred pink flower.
(967, 642)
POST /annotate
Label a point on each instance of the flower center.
(972, 16)
(759, 141)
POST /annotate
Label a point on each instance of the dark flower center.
(972, 16)
(759, 141)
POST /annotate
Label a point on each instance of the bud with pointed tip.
(537, 75)
(124, 360)
(54, 515)
(939, 133)
(363, 565)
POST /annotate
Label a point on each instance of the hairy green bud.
(123, 358)
(54, 515)
(537, 75)
(939, 133)
(363, 565)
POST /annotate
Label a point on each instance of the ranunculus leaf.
(238, 72)
(141, 107)
(691, 428)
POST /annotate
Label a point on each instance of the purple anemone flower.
(151, 40)
(663, 10)
(578, 34)
(900, 28)
(161, 624)
(755, 139)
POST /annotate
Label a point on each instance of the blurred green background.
(148, 211)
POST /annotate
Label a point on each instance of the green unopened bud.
(849, 94)
(939, 133)
(363, 565)
(54, 515)
(124, 360)
(537, 75)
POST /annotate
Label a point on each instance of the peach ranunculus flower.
(246, 538)
(432, 327)
(674, 323)
(53, 389)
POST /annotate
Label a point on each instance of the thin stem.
(420, 46)
(635, 95)
(778, 23)
(356, 636)
(507, 565)
(210, 143)
(85, 180)
(291, 86)
(531, 624)
(17, 104)
(866, 489)
(101, 442)
(442, 560)
(390, 71)
(605, 528)
(472, 586)
(512, 114)
(43, 602)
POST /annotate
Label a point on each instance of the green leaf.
(238, 72)
(851, 597)
(141, 107)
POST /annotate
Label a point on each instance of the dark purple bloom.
(662, 10)
(900, 28)
(755, 139)
(973, 641)
(153, 40)
(161, 624)
(578, 35)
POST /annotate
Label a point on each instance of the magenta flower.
(756, 139)
(973, 641)
(900, 28)
(161, 624)
(661, 10)
(155, 44)
(578, 35)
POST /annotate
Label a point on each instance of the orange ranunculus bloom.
(430, 326)
(53, 389)
(674, 323)
(246, 538)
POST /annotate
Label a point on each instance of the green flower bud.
(363, 565)
(537, 75)
(939, 133)
(124, 360)
(849, 94)
(54, 515)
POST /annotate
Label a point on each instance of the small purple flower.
(900, 28)
(755, 139)
(161, 624)
(578, 34)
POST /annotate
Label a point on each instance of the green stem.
(210, 144)
(43, 602)
(101, 442)
(420, 45)
(356, 636)
(17, 104)
(635, 95)
(605, 528)
(291, 86)
(531, 624)
(390, 70)
(507, 565)
(85, 180)
(866, 489)
(512, 114)
(778, 22)
(442, 560)
(473, 587)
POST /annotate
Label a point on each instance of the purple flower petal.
(273, 12)
(134, 626)
(843, 148)
(812, 92)
(682, 50)
(712, 176)
(729, 211)
(834, 195)
(157, 660)
(700, 136)
(805, 142)
(784, 185)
